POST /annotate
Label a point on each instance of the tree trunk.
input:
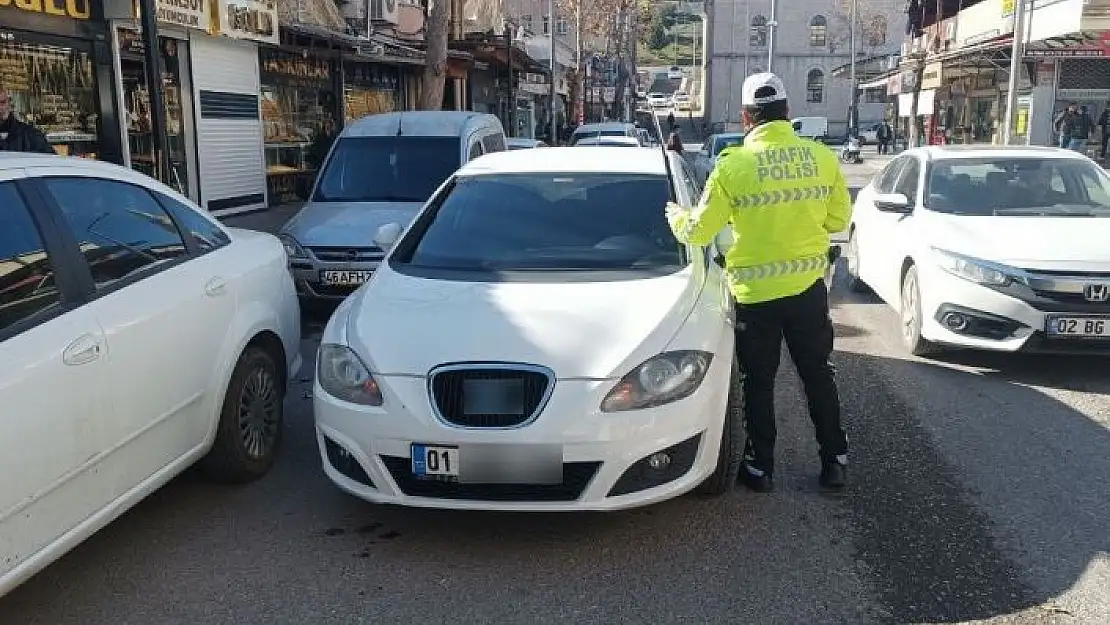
(431, 94)
(914, 129)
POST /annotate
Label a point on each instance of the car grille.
(446, 388)
(347, 254)
(576, 477)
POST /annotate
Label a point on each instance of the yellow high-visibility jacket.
(783, 196)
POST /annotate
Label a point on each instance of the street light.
(853, 108)
(772, 26)
(551, 91)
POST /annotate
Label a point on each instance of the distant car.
(675, 73)
(658, 100)
(138, 337)
(537, 340)
(631, 142)
(706, 158)
(992, 248)
(816, 128)
(604, 129)
(517, 143)
(682, 101)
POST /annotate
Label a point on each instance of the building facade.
(811, 40)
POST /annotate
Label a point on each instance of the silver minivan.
(381, 169)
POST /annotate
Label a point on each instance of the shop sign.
(1078, 46)
(256, 20)
(1083, 94)
(185, 13)
(932, 76)
(73, 9)
(377, 77)
(293, 67)
(983, 22)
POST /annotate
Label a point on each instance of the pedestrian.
(670, 121)
(783, 196)
(884, 135)
(1073, 128)
(1104, 130)
(17, 135)
(674, 143)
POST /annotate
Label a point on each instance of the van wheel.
(249, 432)
(731, 453)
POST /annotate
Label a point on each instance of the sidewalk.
(270, 220)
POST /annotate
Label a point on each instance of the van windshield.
(387, 169)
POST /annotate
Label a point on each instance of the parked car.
(674, 73)
(516, 143)
(705, 159)
(658, 100)
(628, 142)
(682, 101)
(816, 128)
(1002, 248)
(139, 337)
(490, 392)
(381, 169)
(604, 129)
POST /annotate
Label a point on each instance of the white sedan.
(536, 340)
(999, 249)
(138, 336)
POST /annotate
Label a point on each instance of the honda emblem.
(1096, 292)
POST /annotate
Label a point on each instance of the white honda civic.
(536, 340)
(1001, 249)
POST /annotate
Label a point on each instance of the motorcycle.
(851, 151)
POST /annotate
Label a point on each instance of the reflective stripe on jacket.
(783, 196)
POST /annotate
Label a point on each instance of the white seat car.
(658, 100)
(536, 340)
(138, 336)
(988, 248)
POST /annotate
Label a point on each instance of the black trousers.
(803, 321)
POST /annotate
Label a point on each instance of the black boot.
(834, 474)
(755, 480)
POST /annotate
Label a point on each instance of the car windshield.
(726, 142)
(550, 222)
(1026, 186)
(387, 169)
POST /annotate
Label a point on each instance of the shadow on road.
(926, 470)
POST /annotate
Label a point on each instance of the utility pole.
(853, 108)
(772, 26)
(152, 53)
(551, 91)
(580, 105)
(1016, 56)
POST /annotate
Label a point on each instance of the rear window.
(387, 169)
(592, 134)
(548, 222)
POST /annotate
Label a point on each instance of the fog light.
(956, 322)
(659, 461)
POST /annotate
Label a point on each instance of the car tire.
(249, 431)
(731, 453)
(910, 318)
(851, 264)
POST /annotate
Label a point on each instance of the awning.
(866, 69)
(494, 51)
(880, 81)
(985, 53)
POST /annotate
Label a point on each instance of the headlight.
(343, 375)
(292, 248)
(977, 271)
(659, 380)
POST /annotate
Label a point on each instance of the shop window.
(369, 89)
(757, 34)
(815, 86)
(120, 228)
(136, 105)
(27, 285)
(818, 31)
(54, 89)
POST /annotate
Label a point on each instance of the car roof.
(947, 152)
(418, 123)
(604, 159)
(102, 169)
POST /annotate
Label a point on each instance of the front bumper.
(1007, 319)
(366, 451)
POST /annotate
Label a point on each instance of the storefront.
(56, 63)
(301, 116)
(370, 88)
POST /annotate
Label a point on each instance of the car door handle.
(83, 350)
(215, 287)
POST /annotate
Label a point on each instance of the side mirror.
(893, 203)
(387, 235)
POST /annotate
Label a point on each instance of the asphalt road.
(980, 493)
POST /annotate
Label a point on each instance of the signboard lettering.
(249, 19)
(73, 9)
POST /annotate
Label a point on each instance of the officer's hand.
(674, 209)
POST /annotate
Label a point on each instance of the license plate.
(1079, 327)
(435, 461)
(336, 277)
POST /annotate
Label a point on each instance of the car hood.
(1050, 243)
(347, 224)
(405, 325)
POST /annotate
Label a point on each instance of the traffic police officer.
(783, 196)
